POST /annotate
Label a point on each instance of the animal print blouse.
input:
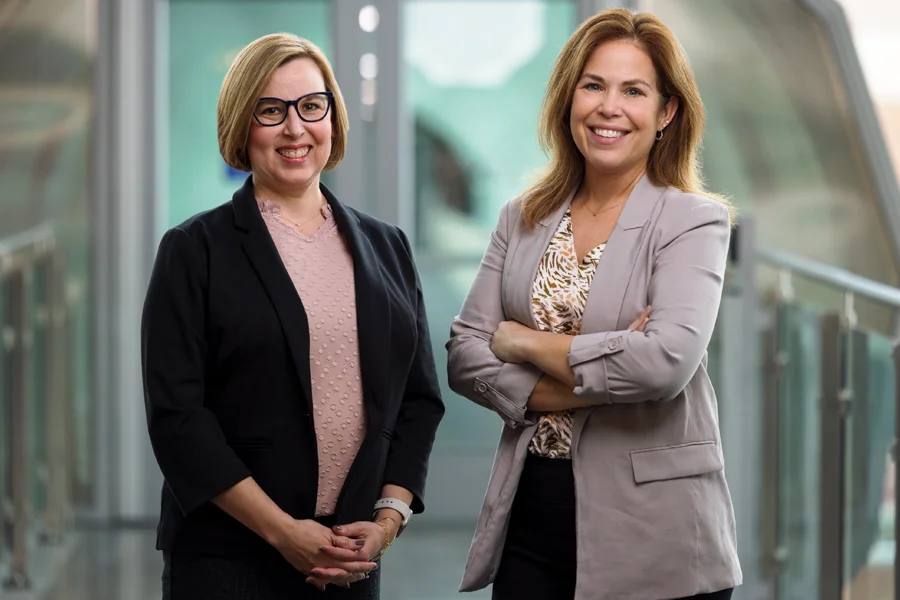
(559, 294)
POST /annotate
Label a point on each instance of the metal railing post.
(14, 338)
(18, 256)
(831, 460)
(57, 424)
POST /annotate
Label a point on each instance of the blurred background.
(108, 138)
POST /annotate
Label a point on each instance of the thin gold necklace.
(584, 204)
(300, 225)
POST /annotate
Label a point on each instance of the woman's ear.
(668, 113)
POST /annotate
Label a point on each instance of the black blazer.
(225, 355)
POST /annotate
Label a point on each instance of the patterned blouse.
(560, 292)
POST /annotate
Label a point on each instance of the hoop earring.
(659, 135)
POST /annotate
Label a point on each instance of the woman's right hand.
(641, 322)
(301, 545)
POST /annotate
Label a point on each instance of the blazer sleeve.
(421, 410)
(685, 291)
(472, 368)
(189, 445)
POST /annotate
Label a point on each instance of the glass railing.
(35, 401)
(830, 425)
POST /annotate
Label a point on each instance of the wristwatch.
(400, 506)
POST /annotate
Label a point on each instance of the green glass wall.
(195, 66)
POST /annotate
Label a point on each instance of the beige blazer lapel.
(603, 307)
(523, 258)
(602, 310)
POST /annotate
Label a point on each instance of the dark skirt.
(190, 577)
(540, 555)
(198, 577)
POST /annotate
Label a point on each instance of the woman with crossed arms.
(586, 330)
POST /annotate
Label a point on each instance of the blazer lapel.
(263, 255)
(604, 302)
(522, 263)
(602, 310)
(373, 314)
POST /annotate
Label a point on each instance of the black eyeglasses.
(313, 107)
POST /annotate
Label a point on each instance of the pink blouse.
(321, 268)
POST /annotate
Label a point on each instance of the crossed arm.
(515, 343)
(513, 370)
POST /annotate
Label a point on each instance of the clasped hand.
(340, 557)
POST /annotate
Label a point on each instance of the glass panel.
(799, 442)
(77, 335)
(198, 178)
(781, 138)
(476, 108)
(46, 105)
(36, 403)
(5, 427)
(716, 355)
(869, 544)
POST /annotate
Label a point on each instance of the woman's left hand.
(375, 538)
(510, 342)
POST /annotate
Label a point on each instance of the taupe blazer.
(655, 519)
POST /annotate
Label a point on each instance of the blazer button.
(614, 344)
(481, 387)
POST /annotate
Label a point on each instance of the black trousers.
(539, 557)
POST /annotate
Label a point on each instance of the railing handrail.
(26, 239)
(14, 249)
(833, 276)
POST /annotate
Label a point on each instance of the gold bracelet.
(387, 538)
(395, 521)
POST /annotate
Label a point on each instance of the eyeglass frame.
(296, 104)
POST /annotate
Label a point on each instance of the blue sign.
(232, 174)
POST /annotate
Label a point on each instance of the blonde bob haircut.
(674, 159)
(245, 81)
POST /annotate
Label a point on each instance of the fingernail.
(337, 528)
(360, 542)
(376, 567)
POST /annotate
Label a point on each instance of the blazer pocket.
(249, 443)
(673, 462)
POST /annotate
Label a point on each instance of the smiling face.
(288, 158)
(617, 109)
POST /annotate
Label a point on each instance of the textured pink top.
(321, 268)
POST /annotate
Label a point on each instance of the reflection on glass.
(476, 107)
(781, 138)
(5, 433)
(37, 390)
(47, 69)
(869, 544)
(799, 444)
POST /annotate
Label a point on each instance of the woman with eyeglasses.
(290, 389)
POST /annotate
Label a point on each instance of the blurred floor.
(425, 564)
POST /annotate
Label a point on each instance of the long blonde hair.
(245, 80)
(673, 161)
